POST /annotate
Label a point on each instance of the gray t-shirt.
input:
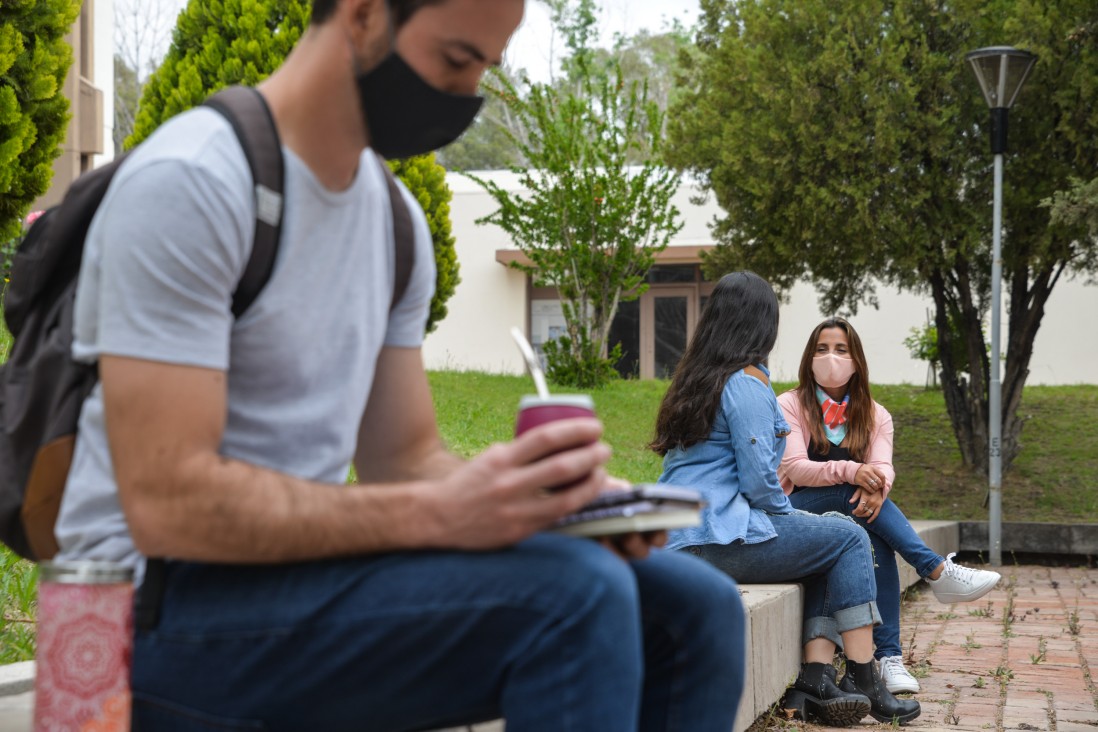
(165, 253)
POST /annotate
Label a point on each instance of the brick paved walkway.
(1025, 657)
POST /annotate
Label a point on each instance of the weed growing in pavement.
(1003, 673)
(970, 643)
(946, 616)
(1073, 622)
(983, 612)
(1042, 647)
(1008, 611)
(921, 669)
(979, 682)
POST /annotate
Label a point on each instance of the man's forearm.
(434, 463)
(221, 510)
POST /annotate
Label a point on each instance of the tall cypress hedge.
(218, 43)
(34, 59)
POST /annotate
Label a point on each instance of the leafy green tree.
(142, 30)
(218, 43)
(127, 93)
(34, 59)
(590, 223)
(654, 59)
(847, 141)
(1077, 206)
(645, 58)
(488, 145)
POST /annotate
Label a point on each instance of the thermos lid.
(583, 401)
(85, 572)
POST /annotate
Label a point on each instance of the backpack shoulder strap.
(757, 373)
(251, 119)
(404, 236)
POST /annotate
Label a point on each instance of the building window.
(626, 330)
(546, 324)
(674, 274)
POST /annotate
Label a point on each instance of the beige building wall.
(87, 132)
(492, 298)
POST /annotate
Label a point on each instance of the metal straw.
(531, 362)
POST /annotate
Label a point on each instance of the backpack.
(42, 389)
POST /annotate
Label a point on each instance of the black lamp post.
(1001, 71)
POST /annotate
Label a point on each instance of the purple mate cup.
(535, 411)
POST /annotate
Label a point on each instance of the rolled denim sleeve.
(750, 410)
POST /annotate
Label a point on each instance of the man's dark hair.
(402, 9)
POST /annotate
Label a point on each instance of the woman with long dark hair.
(720, 430)
(839, 458)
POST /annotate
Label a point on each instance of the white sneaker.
(896, 678)
(962, 584)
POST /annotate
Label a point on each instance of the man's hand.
(635, 545)
(506, 494)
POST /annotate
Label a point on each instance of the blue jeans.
(828, 554)
(890, 533)
(554, 634)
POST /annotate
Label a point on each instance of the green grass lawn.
(1053, 480)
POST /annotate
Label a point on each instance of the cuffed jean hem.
(926, 570)
(840, 622)
(822, 627)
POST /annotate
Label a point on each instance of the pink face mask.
(832, 371)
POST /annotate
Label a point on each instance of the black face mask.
(405, 115)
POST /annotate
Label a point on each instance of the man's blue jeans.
(890, 533)
(829, 554)
(554, 634)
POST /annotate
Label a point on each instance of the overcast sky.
(531, 47)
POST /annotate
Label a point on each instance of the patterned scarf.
(834, 416)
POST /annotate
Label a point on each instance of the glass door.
(668, 316)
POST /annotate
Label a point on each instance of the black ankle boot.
(815, 695)
(864, 678)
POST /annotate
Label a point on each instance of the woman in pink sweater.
(838, 457)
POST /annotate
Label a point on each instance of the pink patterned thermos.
(85, 638)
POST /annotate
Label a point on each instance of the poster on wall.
(546, 324)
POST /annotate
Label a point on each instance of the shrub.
(34, 59)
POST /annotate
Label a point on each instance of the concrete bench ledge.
(773, 644)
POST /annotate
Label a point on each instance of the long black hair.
(737, 328)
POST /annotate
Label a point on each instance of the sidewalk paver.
(1025, 657)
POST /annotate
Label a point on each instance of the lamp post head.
(1001, 71)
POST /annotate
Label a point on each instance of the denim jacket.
(736, 469)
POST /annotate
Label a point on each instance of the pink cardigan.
(796, 469)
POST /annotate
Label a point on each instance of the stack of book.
(645, 507)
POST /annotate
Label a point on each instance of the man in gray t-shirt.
(424, 595)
